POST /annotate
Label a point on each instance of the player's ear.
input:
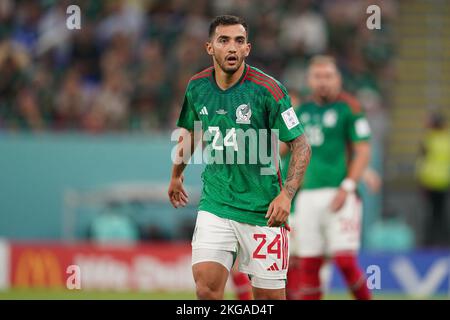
(208, 47)
(247, 49)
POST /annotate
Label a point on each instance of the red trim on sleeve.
(352, 102)
(246, 73)
(202, 74)
(269, 80)
(276, 94)
(265, 85)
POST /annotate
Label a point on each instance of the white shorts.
(317, 231)
(262, 251)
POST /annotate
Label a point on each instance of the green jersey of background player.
(231, 99)
(339, 123)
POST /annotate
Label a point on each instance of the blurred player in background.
(328, 211)
(242, 284)
(242, 212)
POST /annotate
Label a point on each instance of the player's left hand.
(279, 210)
(339, 200)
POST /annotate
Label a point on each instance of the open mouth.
(231, 59)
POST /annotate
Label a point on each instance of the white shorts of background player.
(317, 231)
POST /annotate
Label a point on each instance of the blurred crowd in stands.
(128, 66)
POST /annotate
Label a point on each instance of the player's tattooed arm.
(300, 157)
(280, 207)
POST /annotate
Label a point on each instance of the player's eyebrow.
(228, 37)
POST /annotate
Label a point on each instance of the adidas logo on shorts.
(273, 267)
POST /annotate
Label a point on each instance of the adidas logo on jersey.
(273, 267)
(204, 111)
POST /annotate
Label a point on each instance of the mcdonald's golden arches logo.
(38, 268)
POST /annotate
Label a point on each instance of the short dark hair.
(226, 20)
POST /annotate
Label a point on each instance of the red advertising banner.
(159, 266)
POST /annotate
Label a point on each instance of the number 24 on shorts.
(273, 248)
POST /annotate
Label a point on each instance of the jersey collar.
(212, 79)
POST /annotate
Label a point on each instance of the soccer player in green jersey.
(244, 207)
(327, 216)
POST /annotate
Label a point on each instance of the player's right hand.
(372, 180)
(279, 210)
(177, 195)
(338, 200)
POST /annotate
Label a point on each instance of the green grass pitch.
(41, 294)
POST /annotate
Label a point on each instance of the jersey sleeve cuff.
(290, 137)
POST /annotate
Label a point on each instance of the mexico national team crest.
(243, 114)
(330, 119)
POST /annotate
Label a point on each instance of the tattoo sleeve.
(300, 156)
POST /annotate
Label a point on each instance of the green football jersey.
(331, 129)
(242, 174)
